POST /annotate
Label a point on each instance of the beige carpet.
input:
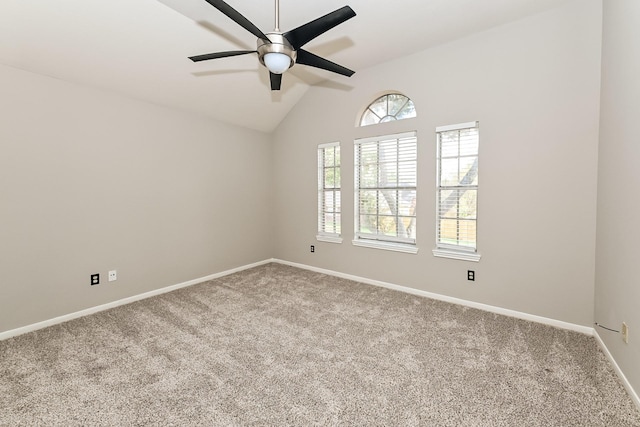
(276, 345)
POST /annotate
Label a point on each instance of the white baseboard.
(458, 301)
(33, 327)
(616, 368)
(485, 307)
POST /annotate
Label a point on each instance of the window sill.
(387, 246)
(464, 256)
(329, 239)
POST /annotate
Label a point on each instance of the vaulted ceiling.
(139, 48)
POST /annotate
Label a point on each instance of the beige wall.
(91, 182)
(534, 87)
(617, 279)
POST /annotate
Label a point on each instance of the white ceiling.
(139, 48)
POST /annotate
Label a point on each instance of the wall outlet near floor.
(95, 279)
(471, 275)
(313, 248)
(625, 333)
(113, 275)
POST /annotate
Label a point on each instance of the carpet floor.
(277, 345)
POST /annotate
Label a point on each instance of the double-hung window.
(329, 219)
(457, 191)
(385, 192)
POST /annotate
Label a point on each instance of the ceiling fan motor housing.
(279, 44)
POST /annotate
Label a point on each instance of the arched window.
(387, 108)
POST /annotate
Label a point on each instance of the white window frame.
(323, 235)
(390, 113)
(445, 250)
(378, 240)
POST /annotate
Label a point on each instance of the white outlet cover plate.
(113, 275)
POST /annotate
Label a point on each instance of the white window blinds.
(329, 205)
(385, 188)
(457, 186)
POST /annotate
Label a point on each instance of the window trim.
(328, 238)
(323, 236)
(456, 254)
(444, 250)
(385, 245)
(376, 241)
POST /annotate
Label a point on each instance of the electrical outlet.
(471, 275)
(625, 333)
(113, 275)
(95, 279)
(313, 248)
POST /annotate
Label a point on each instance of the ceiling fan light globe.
(277, 62)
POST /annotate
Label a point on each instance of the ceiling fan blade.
(238, 18)
(276, 80)
(300, 36)
(217, 55)
(308, 58)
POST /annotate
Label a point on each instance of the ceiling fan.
(279, 51)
